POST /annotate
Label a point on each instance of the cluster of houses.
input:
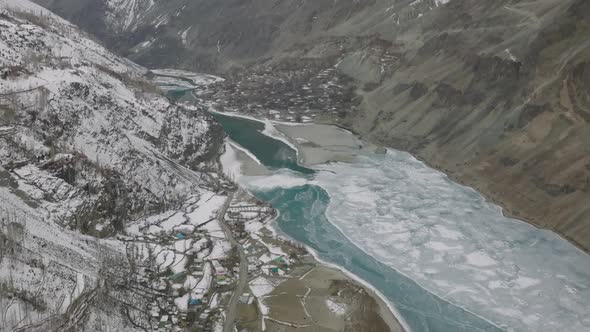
(302, 93)
(261, 259)
(186, 273)
(203, 277)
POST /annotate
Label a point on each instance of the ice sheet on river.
(458, 246)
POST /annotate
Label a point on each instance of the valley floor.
(453, 245)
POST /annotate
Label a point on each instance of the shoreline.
(499, 211)
(269, 126)
(321, 151)
(382, 301)
(387, 310)
(432, 293)
(375, 293)
(505, 211)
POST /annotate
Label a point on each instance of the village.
(187, 257)
(298, 93)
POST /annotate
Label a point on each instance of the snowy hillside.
(124, 14)
(87, 148)
(74, 107)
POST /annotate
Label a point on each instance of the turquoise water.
(271, 152)
(180, 91)
(303, 217)
(177, 94)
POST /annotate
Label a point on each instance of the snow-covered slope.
(125, 14)
(87, 146)
(73, 103)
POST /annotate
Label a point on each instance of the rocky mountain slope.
(214, 36)
(495, 93)
(87, 148)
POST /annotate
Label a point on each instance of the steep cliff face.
(492, 92)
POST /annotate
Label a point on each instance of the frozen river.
(443, 256)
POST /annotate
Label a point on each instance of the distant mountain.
(211, 36)
(495, 93)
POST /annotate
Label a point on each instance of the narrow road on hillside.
(231, 312)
